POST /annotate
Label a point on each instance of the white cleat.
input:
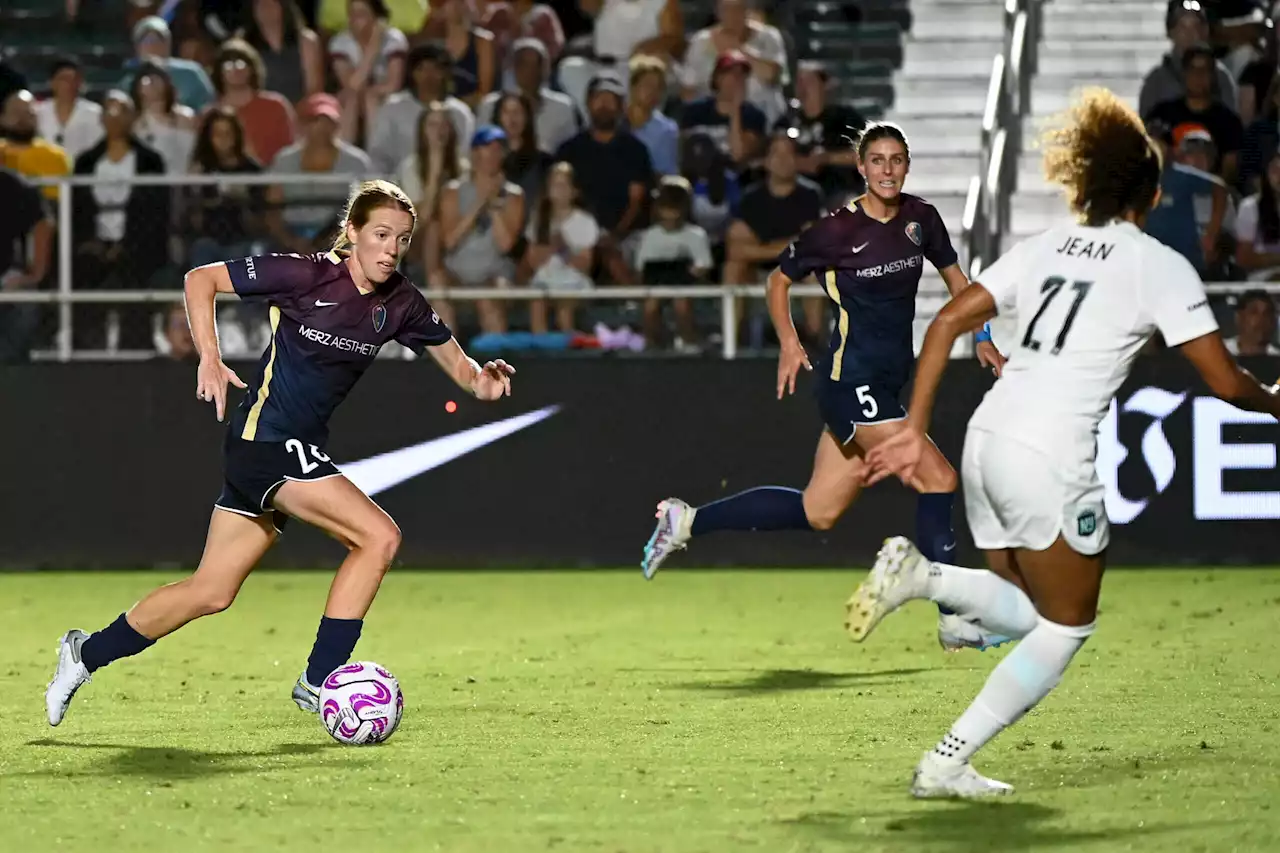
(674, 529)
(900, 574)
(956, 632)
(69, 677)
(306, 697)
(937, 779)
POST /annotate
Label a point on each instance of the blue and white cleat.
(674, 529)
(306, 697)
(70, 675)
(956, 632)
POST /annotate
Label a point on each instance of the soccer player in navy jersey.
(330, 314)
(869, 257)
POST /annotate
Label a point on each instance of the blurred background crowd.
(573, 145)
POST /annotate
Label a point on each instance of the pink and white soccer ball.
(361, 703)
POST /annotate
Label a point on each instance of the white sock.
(1014, 687)
(983, 596)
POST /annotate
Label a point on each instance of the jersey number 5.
(1051, 287)
(869, 407)
(316, 453)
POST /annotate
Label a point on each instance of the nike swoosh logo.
(857, 249)
(386, 470)
(320, 304)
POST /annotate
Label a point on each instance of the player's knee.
(211, 599)
(384, 542)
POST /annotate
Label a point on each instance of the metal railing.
(1008, 102)
(65, 295)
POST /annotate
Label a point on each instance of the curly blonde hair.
(1101, 154)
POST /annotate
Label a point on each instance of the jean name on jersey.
(1078, 248)
(891, 267)
(329, 339)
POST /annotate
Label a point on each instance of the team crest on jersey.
(379, 317)
(1087, 523)
(914, 232)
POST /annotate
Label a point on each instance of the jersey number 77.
(1052, 286)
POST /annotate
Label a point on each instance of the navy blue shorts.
(847, 405)
(254, 470)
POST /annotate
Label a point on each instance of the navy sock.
(934, 536)
(117, 640)
(762, 508)
(335, 641)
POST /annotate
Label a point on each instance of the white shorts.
(1016, 497)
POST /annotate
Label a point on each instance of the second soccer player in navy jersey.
(330, 314)
(868, 257)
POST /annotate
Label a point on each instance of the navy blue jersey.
(324, 335)
(871, 271)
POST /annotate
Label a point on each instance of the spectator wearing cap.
(760, 43)
(622, 29)
(21, 147)
(555, 116)
(66, 119)
(1255, 325)
(511, 21)
(1215, 202)
(475, 56)
(239, 77)
(481, 221)
(369, 62)
(1240, 26)
(737, 125)
(1187, 25)
(824, 132)
(291, 51)
(114, 227)
(1196, 108)
(152, 42)
(430, 77)
(1173, 220)
(659, 133)
(613, 169)
(771, 216)
(301, 215)
(1258, 227)
(672, 251)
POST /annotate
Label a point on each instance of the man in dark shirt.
(771, 215)
(825, 133)
(1198, 109)
(612, 169)
(22, 219)
(737, 125)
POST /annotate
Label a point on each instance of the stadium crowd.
(634, 151)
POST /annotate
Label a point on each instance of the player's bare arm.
(792, 357)
(988, 355)
(1228, 380)
(489, 382)
(201, 286)
(900, 454)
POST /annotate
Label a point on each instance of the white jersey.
(1086, 299)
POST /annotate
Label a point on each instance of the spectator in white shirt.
(672, 251)
(1255, 326)
(762, 45)
(555, 116)
(394, 131)
(369, 61)
(562, 241)
(66, 119)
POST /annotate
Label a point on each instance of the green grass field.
(705, 711)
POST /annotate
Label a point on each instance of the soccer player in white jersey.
(1087, 296)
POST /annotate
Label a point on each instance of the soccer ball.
(361, 703)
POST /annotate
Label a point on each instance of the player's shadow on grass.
(173, 764)
(783, 680)
(965, 827)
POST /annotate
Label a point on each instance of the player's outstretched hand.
(989, 356)
(897, 455)
(790, 360)
(493, 381)
(211, 384)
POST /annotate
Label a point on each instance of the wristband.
(983, 334)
